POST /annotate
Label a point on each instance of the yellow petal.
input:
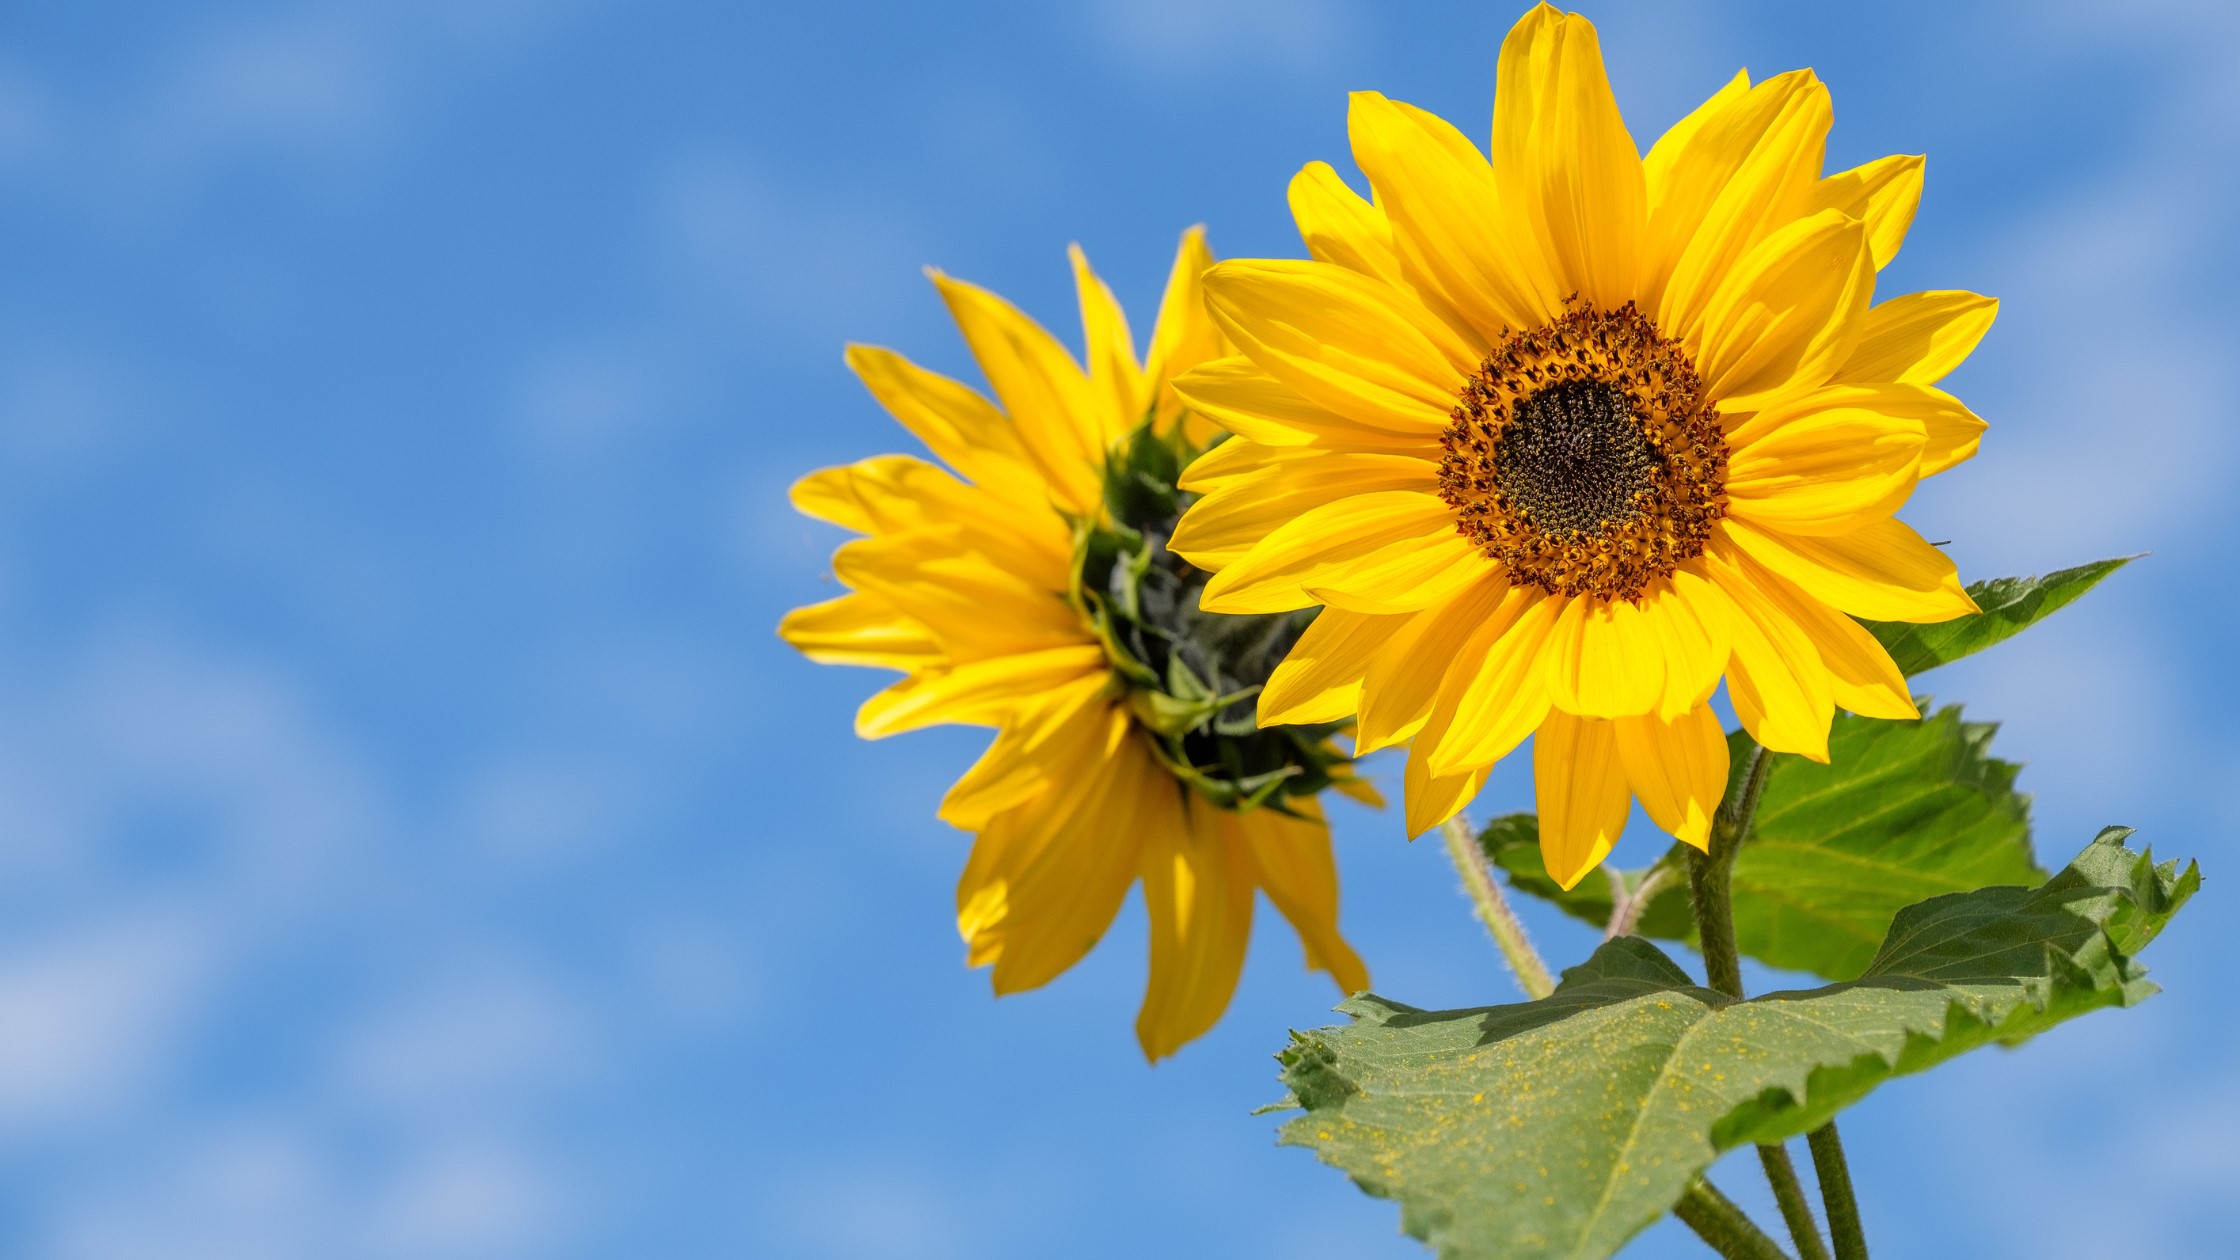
(1747, 170)
(890, 493)
(1114, 374)
(1861, 674)
(1345, 341)
(1062, 901)
(1883, 571)
(1045, 739)
(1919, 337)
(1061, 422)
(1562, 158)
(1016, 839)
(954, 421)
(1184, 337)
(1582, 794)
(1605, 659)
(1496, 693)
(1883, 194)
(1824, 463)
(1664, 174)
(1339, 226)
(859, 629)
(973, 607)
(1790, 312)
(1392, 550)
(1433, 799)
(1780, 689)
(976, 693)
(1396, 695)
(1231, 518)
(1950, 432)
(1455, 242)
(1248, 402)
(1694, 625)
(1678, 770)
(1320, 680)
(1236, 457)
(1197, 888)
(1291, 858)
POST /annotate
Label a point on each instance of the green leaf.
(1562, 1127)
(2009, 606)
(1901, 812)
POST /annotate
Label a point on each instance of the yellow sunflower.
(1027, 588)
(1562, 437)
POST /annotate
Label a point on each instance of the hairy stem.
(1493, 909)
(1796, 1210)
(1836, 1192)
(1626, 907)
(1723, 1226)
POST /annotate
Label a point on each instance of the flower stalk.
(1723, 1226)
(1493, 908)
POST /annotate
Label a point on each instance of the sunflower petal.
(1919, 337)
(1385, 551)
(1344, 341)
(1233, 516)
(1582, 793)
(1861, 674)
(963, 429)
(1292, 859)
(1788, 315)
(1780, 689)
(1497, 692)
(1694, 624)
(1044, 738)
(1605, 659)
(1396, 695)
(1248, 402)
(1456, 243)
(1197, 888)
(859, 629)
(1320, 680)
(1339, 226)
(1883, 194)
(1562, 158)
(1746, 171)
(1677, 769)
(1114, 374)
(1184, 337)
(1060, 902)
(1883, 571)
(1059, 418)
(1824, 463)
(1433, 799)
(979, 693)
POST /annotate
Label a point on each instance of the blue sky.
(415, 843)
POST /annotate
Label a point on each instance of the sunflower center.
(1573, 458)
(1584, 457)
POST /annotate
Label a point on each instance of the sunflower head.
(1562, 436)
(1028, 586)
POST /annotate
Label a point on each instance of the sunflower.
(1561, 438)
(1027, 588)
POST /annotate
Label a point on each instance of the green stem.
(1711, 887)
(1788, 1191)
(1723, 1226)
(1493, 909)
(1836, 1192)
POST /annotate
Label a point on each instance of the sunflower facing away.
(1032, 592)
(1561, 438)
